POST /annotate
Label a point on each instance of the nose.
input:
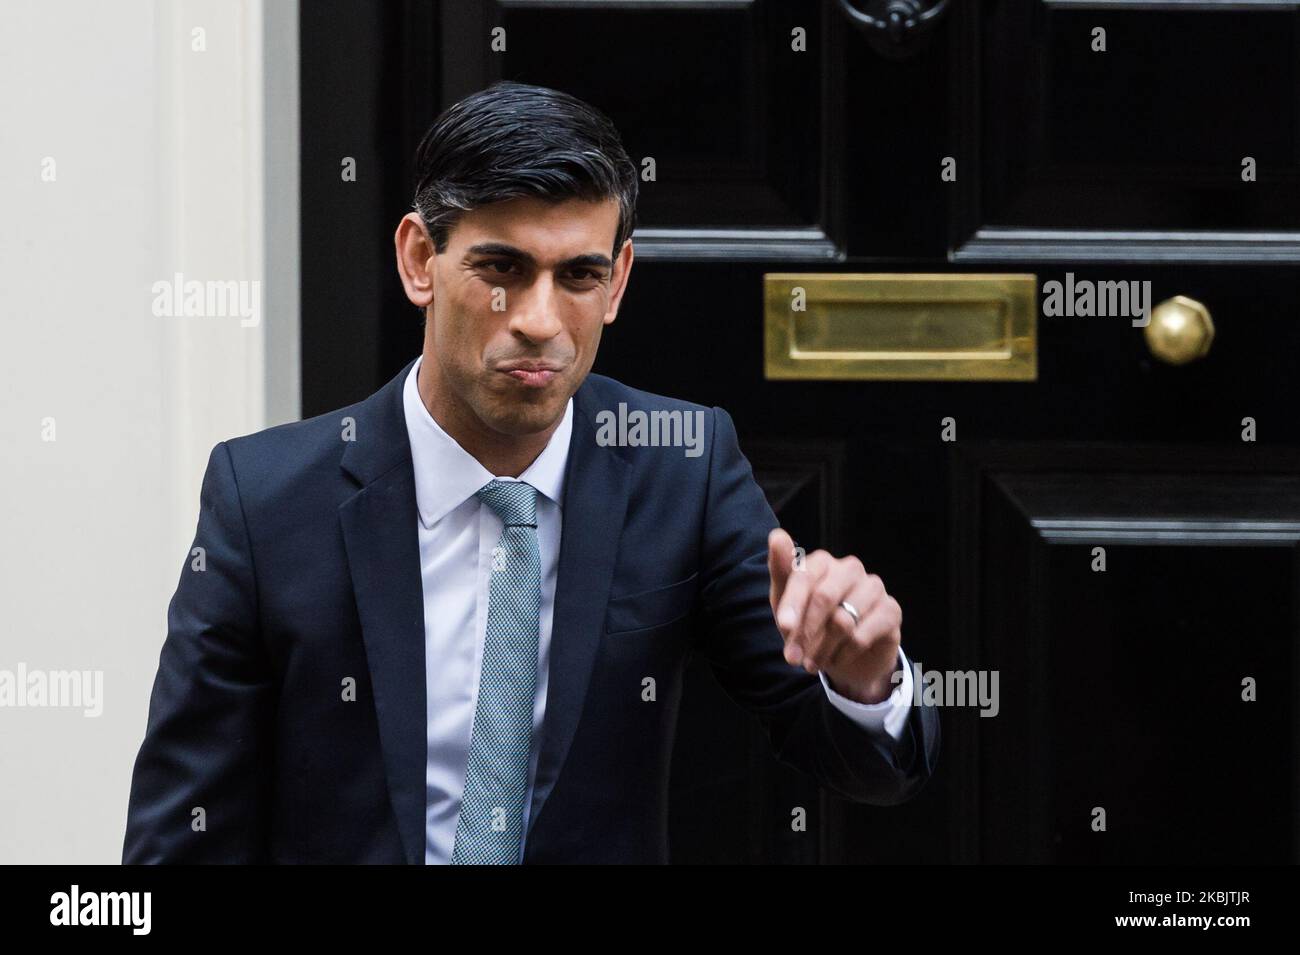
(536, 311)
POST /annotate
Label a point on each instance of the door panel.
(729, 121)
(1144, 141)
(1124, 595)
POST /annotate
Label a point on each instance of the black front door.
(1113, 535)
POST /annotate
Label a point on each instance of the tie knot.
(515, 502)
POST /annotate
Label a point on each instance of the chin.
(519, 420)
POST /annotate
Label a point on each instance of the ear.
(415, 259)
(622, 269)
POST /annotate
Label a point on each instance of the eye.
(586, 275)
(505, 266)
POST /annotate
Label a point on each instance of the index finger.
(780, 563)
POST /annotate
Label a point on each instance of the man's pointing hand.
(808, 594)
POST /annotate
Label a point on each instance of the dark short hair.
(513, 140)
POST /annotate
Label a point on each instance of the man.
(449, 623)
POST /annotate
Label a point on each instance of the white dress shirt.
(457, 534)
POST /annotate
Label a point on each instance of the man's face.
(520, 297)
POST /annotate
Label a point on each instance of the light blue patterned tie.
(490, 828)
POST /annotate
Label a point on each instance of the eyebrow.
(510, 252)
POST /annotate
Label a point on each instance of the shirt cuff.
(887, 716)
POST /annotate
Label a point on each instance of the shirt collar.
(446, 475)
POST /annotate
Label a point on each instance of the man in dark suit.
(449, 623)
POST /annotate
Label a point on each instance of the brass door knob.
(1180, 330)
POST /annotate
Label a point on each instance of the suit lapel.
(595, 500)
(380, 536)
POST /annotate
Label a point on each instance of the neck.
(502, 454)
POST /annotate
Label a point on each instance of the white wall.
(165, 159)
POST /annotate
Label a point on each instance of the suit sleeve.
(199, 792)
(741, 641)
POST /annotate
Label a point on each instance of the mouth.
(531, 374)
(532, 379)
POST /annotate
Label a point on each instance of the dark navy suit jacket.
(312, 576)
